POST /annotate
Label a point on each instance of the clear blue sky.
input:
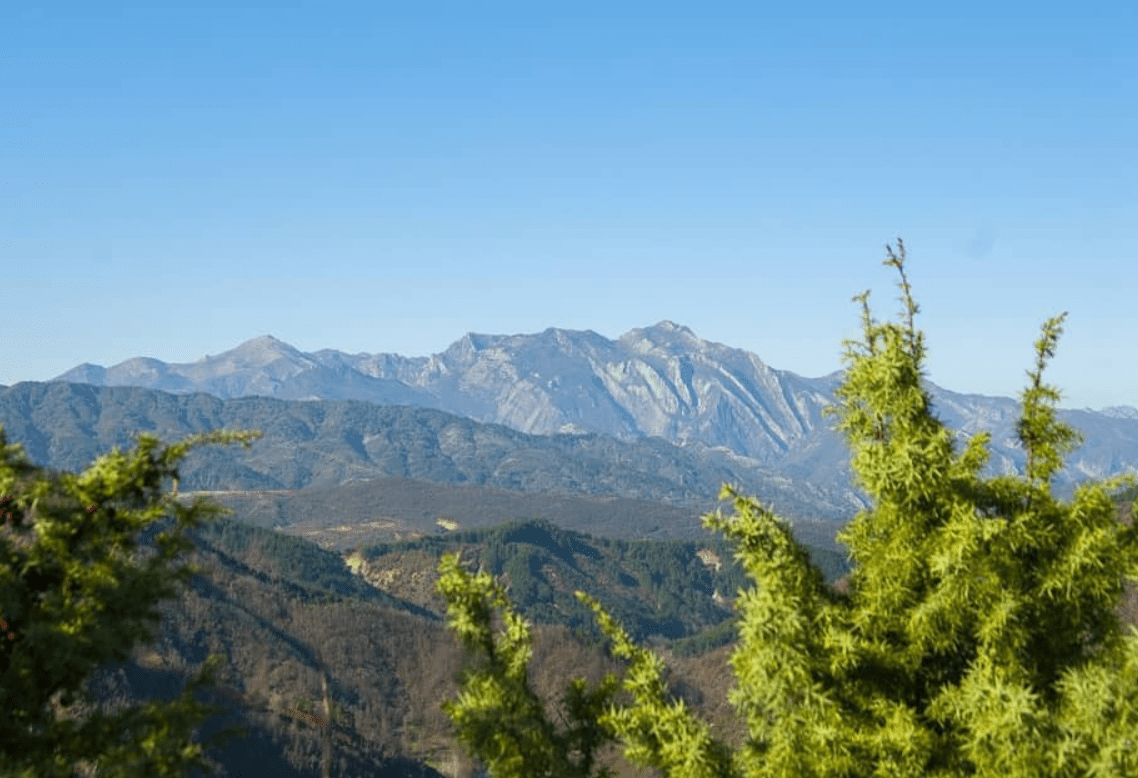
(385, 177)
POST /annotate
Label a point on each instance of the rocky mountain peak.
(469, 344)
(663, 338)
(664, 327)
(261, 351)
(671, 326)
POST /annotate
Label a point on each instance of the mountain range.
(655, 382)
(310, 445)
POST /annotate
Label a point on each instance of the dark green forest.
(660, 590)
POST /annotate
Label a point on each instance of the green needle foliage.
(978, 636)
(77, 595)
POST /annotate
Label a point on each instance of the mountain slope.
(315, 444)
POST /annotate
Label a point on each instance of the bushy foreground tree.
(978, 635)
(76, 596)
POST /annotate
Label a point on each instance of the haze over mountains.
(661, 381)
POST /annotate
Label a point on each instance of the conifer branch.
(911, 309)
(866, 321)
(962, 647)
(1045, 439)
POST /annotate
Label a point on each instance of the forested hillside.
(331, 443)
(662, 590)
(359, 634)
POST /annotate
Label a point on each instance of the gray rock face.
(661, 381)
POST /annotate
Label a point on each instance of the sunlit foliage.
(978, 635)
(73, 583)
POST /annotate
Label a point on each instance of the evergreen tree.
(978, 635)
(76, 595)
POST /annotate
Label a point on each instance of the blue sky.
(387, 177)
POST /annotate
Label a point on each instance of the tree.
(978, 635)
(76, 595)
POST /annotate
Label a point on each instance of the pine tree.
(978, 635)
(76, 595)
